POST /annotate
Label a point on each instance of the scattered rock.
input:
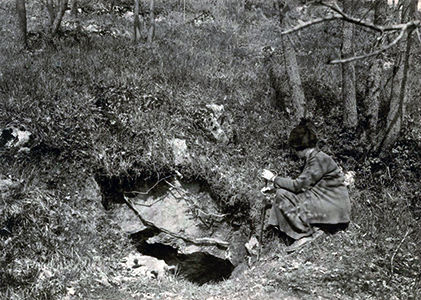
(7, 184)
(180, 151)
(349, 179)
(93, 28)
(14, 137)
(143, 265)
(252, 246)
(129, 16)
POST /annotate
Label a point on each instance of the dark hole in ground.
(197, 267)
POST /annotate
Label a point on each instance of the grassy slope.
(61, 243)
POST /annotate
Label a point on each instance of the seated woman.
(317, 198)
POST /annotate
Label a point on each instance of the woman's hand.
(268, 175)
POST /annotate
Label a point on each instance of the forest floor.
(65, 245)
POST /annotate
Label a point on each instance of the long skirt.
(289, 214)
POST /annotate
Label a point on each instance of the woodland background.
(102, 92)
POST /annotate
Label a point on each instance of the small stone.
(180, 151)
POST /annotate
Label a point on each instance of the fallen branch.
(195, 241)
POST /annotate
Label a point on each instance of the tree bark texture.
(293, 71)
(136, 23)
(21, 13)
(272, 65)
(73, 10)
(59, 16)
(55, 14)
(375, 77)
(373, 98)
(51, 12)
(398, 95)
(350, 116)
(151, 33)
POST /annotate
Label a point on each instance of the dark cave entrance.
(197, 267)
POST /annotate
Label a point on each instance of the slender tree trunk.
(348, 72)
(293, 71)
(373, 98)
(51, 13)
(21, 12)
(136, 23)
(151, 33)
(59, 16)
(398, 96)
(375, 78)
(74, 8)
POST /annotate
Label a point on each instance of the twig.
(148, 191)
(198, 242)
(152, 204)
(396, 251)
(196, 210)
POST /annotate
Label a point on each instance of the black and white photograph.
(210, 149)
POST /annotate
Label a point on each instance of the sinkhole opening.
(197, 267)
(186, 208)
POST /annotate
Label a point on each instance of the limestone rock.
(7, 186)
(252, 246)
(180, 151)
(14, 137)
(184, 210)
(143, 265)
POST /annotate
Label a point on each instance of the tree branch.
(310, 23)
(357, 57)
(340, 15)
(356, 21)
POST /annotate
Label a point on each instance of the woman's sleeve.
(311, 174)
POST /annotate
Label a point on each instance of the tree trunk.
(375, 78)
(399, 88)
(59, 16)
(373, 98)
(293, 71)
(136, 23)
(73, 10)
(51, 13)
(21, 12)
(348, 72)
(151, 33)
